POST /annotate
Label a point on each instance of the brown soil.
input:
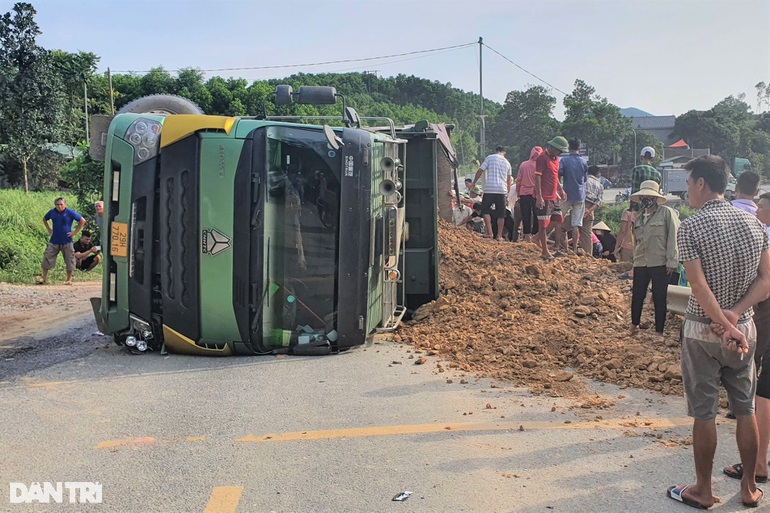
(32, 310)
(504, 313)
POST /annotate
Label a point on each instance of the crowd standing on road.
(722, 250)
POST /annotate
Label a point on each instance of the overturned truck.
(235, 235)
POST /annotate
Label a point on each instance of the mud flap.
(96, 304)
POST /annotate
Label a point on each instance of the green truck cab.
(229, 235)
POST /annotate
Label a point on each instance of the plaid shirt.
(728, 242)
(594, 190)
(641, 173)
(498, 170)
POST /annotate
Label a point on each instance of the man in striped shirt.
(498, 183)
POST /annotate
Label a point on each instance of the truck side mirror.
(97, 146)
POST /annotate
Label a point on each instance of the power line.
(278, 66)
(524, 70)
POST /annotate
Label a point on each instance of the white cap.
(650, 150)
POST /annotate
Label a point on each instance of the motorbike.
(622, 196)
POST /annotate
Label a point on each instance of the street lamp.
(635, 152)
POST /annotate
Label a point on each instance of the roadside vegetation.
(23, 237)
(611, 214)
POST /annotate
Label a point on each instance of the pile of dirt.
(504, 313)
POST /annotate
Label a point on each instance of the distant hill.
(633, 112)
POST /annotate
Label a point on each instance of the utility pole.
(112, 96)
(482, 138)
(85, 102)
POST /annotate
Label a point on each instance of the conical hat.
(649, 188)
(601, 226)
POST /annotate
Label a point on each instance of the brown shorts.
(707, 364)
(548, 214)
(52, 251)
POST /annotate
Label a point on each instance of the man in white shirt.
(497, 184)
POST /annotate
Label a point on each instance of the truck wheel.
(161, 104)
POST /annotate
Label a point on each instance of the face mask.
(648, 202)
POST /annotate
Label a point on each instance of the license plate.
(119, 240)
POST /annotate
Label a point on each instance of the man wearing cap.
(725, 255)
(645, 170)
(655, 253)
(548, 190)
(497, 183)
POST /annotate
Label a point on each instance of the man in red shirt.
(548, 190)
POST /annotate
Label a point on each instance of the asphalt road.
(342, 433)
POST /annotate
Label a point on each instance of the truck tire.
(161, 104)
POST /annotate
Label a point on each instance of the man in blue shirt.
(573, 171)
(61, 234)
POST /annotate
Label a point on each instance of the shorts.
(548, 214)
(84, 264)
(52, 251)
(706, 364)
(498, 200)
(578, 211)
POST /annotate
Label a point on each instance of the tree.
(595, 121)
(31, 96)
(525, 121)
(762, 90)
(75, 70)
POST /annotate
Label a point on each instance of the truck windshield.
(301, 212)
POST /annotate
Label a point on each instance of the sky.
(664, 57)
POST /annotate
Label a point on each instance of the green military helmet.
(560, 143)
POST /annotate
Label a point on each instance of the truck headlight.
(143, 135)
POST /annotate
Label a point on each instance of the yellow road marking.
(414, 429)
(224, 499)
(109, 444)
(46, 384)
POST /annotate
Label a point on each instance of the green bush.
(611, 214)
(23, 237)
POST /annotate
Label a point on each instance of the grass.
(23, 237)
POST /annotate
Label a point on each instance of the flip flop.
(676, 493)
(548, 258)
(736, 472)
(754, 504)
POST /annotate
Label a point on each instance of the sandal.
(736, 472)
(677, 493)
(549, 258)
(755, 504)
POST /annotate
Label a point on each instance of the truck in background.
(229, 235)
(674, 179)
